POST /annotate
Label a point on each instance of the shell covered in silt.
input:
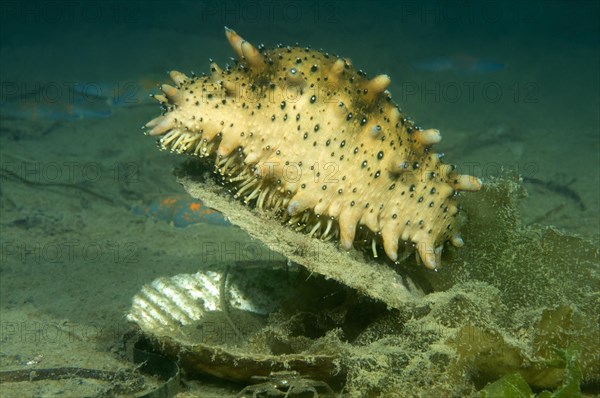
(169, 305)
(306, 135)
(217, 321)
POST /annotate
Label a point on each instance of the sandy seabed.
(72, 259)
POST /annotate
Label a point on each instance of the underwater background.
(90, 210)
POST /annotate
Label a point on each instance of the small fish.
(459, 63)
(118, 94)
(181, 211)
(52, 111)
(46, 103)
(76, 101)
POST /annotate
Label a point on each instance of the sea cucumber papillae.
(303, 134)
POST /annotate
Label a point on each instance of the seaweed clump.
(502, 307)
(497, 312)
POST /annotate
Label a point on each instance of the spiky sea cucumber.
(303, 134)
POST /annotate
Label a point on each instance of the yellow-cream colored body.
(303, 133)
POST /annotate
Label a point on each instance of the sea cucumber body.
(304, 134)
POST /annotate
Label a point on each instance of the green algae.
(515, 386)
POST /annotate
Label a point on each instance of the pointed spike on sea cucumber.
(228, 144)
(165, 125)
(155, 121)
(235, 40)
(453, 210)
(429, 254)
(160, 98)
(215, 70)
(252, 158)
(395, 115)
(390, 246)
(427, 137)
(457, 241)
(377, 85)
(434, 160)
(466, 182)
(447, 170)
(336, 70)
(446, 190)
(230, 87)
(178, 77)
(171, 92)
(253, 56)
(294, 207)
(347, 223)
(298, 204)
(336, 208)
